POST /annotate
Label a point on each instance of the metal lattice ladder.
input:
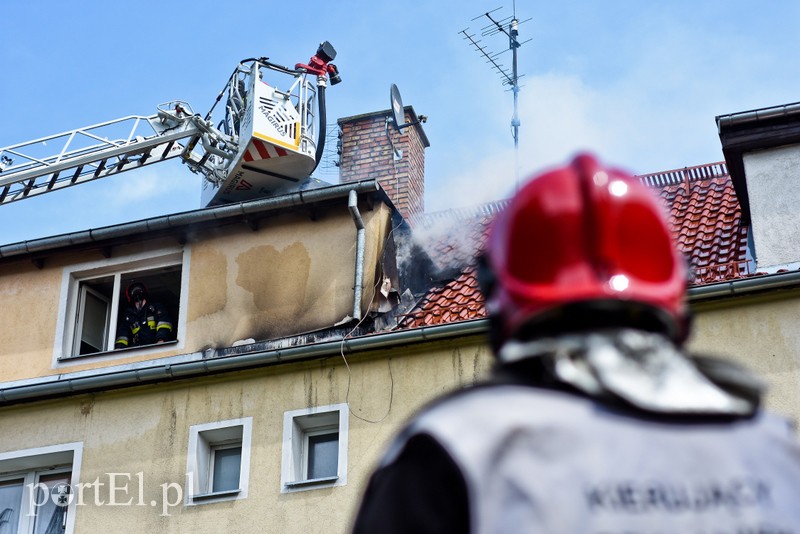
(84, 154)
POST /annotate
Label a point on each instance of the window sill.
(216, 495)
(107, 353)
(312, 482)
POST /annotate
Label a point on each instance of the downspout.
(352, 204)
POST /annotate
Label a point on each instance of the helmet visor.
(137, 294)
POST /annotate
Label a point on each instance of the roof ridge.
(677, 176)
(670, 177)
(469, 212)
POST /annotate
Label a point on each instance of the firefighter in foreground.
(144, 322)
(594, 420)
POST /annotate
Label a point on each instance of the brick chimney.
(366, 152)
(762, 150)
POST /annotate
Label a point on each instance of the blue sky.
(637, 82)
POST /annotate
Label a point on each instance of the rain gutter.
(202, 365)
(179, 220)
(743, 286)
(757, 115)
(83, 382)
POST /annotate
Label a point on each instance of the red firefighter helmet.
(583, 237)
(135, 292)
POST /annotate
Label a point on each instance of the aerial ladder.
(261, 137)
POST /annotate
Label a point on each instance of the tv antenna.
(510, 27)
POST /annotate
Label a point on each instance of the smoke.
(451, 238)
(559, 117)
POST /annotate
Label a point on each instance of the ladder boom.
(84, 154)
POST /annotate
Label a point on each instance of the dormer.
(264, 269)
(762, 151)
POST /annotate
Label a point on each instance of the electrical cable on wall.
(389, 360)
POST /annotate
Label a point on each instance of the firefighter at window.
(144, 322)
(595, 418)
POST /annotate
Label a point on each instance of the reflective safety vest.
(545, 461)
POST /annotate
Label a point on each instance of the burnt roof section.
(753, 130)
(704, 217)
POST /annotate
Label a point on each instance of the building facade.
(307, 328)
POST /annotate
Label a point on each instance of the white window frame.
(30, 464)
(73, 278)
(83, 290)
(298, 425)
(204, 440)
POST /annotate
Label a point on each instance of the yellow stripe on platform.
(278, 142)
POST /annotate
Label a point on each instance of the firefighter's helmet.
(583, 246)
(136, 292)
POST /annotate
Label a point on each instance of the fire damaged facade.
(308, 327)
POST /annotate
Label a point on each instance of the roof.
(248, 212)
(704, 213)
(704, 217)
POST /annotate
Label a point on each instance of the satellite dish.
(398, 111)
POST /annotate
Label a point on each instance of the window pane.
(95, 322)
(10, 501)
(49, 515)
(227, 465)
(323, 455)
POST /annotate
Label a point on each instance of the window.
(225, 467)
(323, 455)
(93, 320)
(218, 463)
(314, 448)
(95, 302)
(36, 490)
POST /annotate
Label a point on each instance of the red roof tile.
(703, 212)
(705, 218)
(459, 300)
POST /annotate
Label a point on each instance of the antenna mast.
(510, 27)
